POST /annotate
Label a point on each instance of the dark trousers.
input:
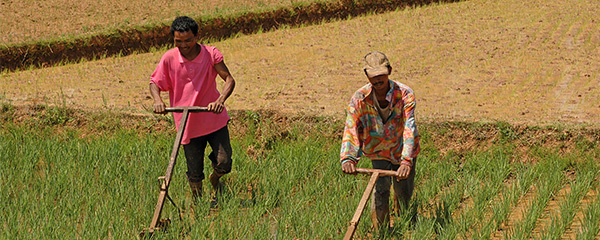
(220, 156)
(403, 191)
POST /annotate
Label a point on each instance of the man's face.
(185, 41)
(380, 82)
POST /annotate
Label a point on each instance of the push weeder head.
(163, 224)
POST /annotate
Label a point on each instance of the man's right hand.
(159, 107)
(348, 167)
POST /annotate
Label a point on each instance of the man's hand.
(159, 107)
(216, 107)
(348, 167)
(403, 172)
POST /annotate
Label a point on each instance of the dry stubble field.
(525, 62)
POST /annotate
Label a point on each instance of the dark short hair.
(184, 24)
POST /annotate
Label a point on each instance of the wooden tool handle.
(381, 172)
(361, 206)
(190, 109)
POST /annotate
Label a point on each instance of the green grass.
(63, 182)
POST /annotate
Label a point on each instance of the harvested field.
(125, 40)
(26, 21)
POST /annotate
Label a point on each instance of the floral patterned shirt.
(365, 133)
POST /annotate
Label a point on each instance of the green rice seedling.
(591, 213)
(69, 187)
(63, 182)
(485, 173)
(525, 175)
(425, 229)
(431, 179)
(568, 207)
(591, 219)
(549, 183)
(449, 200)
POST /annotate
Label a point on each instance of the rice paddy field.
(507, 106)
(100, 183)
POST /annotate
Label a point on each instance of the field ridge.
(121, 42)
(475, 136)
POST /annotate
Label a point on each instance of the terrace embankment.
(144, 38)
(449, 137)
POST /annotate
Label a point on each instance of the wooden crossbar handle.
(190, 109)
(381, 172)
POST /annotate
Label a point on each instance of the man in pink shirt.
(188, 72)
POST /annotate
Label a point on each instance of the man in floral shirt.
(381, 126)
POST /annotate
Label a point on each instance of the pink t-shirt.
(192, 83)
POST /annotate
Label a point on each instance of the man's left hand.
(403, 172)
(216, 107)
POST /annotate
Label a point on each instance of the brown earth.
(466, 61)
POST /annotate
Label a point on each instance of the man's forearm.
(155, 92)
(227, 89)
